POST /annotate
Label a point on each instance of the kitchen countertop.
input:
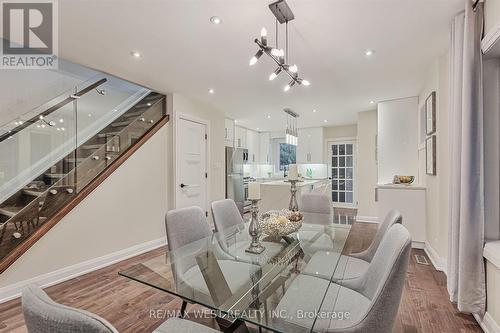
(304, 182)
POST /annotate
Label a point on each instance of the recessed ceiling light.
(314, 110)
(258, 128)
(369, 52)
(235, 121)
(61, 120)
(325, 121)
(211, 91)
(268, 116)
(215, 20)
(372, 102)
(136, 54)
(149, 104)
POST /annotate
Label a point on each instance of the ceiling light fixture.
(314, 110)
(211, 91)
(268, 116)
(215, 20)
(283, 14)
(325, 121)
(369, 52)
(136, 54)
(372, 102)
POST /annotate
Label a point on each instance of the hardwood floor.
(127, 304)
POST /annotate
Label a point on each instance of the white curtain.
(466, 272)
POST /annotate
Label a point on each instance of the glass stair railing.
(50, 155)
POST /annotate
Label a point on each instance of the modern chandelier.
(291, 133)
(283, 14)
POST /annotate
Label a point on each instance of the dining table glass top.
(217, 273)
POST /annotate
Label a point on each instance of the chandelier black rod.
(267, 50)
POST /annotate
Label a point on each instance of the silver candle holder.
(293, 205)
(254, 230)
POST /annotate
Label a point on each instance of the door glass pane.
(348, 198)
(342, 161)
(335, 173)
(348, 161)
(341, 149)
(341, 185)
(342, 173)
(335, 197)
(348, 149)
(334, 161)
(341, 196)
(334, 150)
(348, 185)
(335, 184)
(348, 173)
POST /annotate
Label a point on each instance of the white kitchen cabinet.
(229, 132)
(310, 146)
(240, 137)
(264, 142)
(253, 146)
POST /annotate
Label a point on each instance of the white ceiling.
(183, 52)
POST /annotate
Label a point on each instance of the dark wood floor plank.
(425, 307)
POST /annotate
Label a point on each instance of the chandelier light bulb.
(263, 32)
(287, 87)
(275, 74)
(275, 52)
(255, 58)
(306, 83)
(293, 68)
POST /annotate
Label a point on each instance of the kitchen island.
(276, 194)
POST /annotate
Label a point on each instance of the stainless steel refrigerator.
(235, 159)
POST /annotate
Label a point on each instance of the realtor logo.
(29, 31)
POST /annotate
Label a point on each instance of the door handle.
(184, 185)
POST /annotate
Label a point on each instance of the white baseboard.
(12, 291)
(418, 245)
(438, 262)
(367, 219)
(487, 323)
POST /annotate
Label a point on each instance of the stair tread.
(77, 160)
(120, 124)
(103, 135)
(90, 147)
(54, 175)
(10, 211)
(34, 193)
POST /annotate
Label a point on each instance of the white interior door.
(343, 171)
(191, 164)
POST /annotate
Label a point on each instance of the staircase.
(38, 205)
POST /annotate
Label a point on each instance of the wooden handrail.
(52, 221)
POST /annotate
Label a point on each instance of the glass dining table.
(239, 287)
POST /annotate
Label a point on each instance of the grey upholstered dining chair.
(43, 315)
(316, 209)
(228, 222)
(327, 265)
(188, 233)
(371, 300)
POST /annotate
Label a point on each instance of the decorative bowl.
(404, 179)
(279, 223)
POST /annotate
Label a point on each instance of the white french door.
(343, 172)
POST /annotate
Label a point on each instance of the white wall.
(335, 132)
(437, 187)
(491, 15)
(127, 209)
(397, 138)
(367, 163)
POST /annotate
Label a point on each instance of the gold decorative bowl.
(404, 179)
